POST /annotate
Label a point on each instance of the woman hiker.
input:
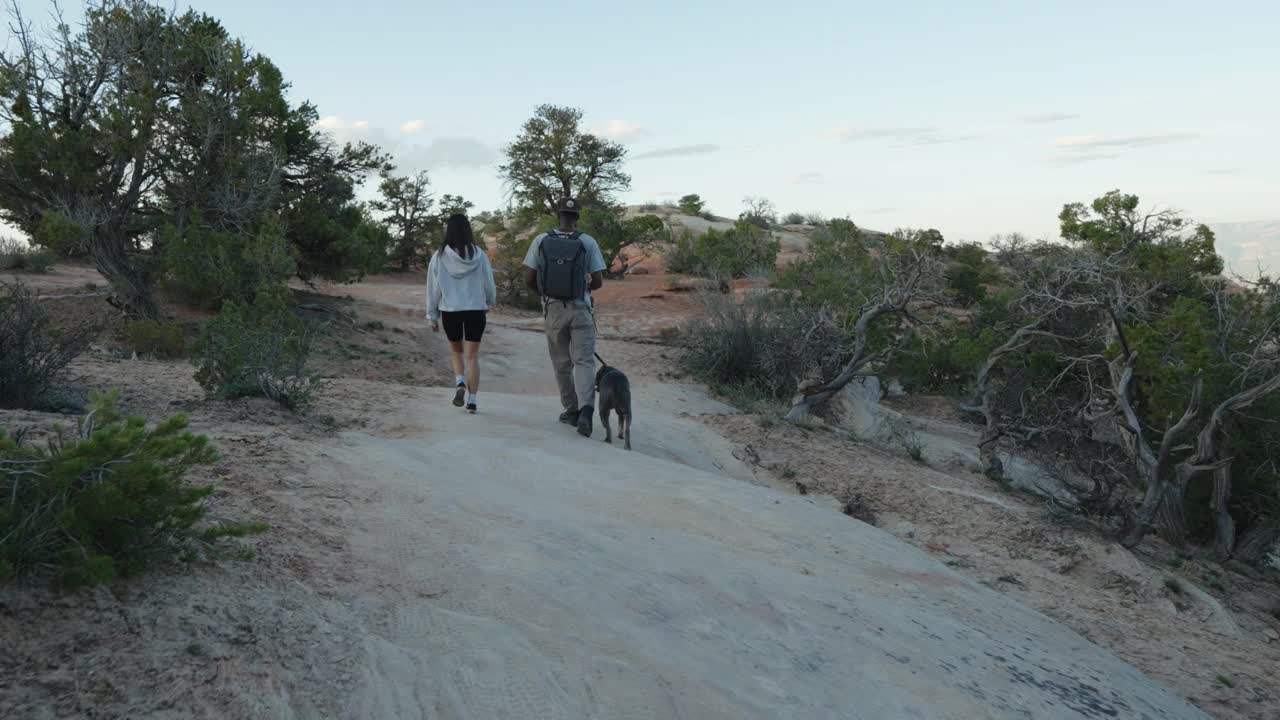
(460, 291)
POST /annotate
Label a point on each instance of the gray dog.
(613, 391)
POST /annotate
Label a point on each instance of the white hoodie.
(455, 283)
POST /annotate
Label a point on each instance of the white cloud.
(1250, 248)
(445, 152)
(1095, 142)
(681, 151)
(621, 130)
(1048, 117)
(809, 178)
(902, 136)
(935, 139)
(330, 123)
(413, 126)
(1082, 158)
(876, 133)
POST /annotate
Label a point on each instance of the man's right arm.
(531, 264)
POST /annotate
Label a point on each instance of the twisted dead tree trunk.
(984, 394)
(906, 276)
(812, 395)
(1164, 494)
(129, 281)
(1208, 459)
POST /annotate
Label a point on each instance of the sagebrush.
(737, 252)
(259, 349)
(161, 340)
(766, 341)
(105, 500)
(18, 256)
(34, 352)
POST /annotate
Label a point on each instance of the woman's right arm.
(490, 288)
(433, 289)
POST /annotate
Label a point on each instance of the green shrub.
(764, 344)
(734, 253)
(257, 350)
(106, 500)
(759, 212)
(33, 352)
(509, 271)
(208, 267)
(692, 204)
(619, 235)
(147, 337)
(681, 259)
(968, 272)
(943, 358)
(61, 235)
(839, 264)
(907, 439)
(794, 218)
(20, 257)
(338, 244)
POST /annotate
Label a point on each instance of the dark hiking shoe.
(569, 417)
(471, 408)
(584, 421)
(459, 396)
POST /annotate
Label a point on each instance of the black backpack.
(562, 274)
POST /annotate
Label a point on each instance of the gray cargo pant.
(571, 338)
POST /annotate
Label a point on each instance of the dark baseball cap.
(569, 205)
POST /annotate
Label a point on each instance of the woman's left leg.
(475, 324)
(457, 360)
(471, 358)
(453, 330)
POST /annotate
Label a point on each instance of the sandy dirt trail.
(516, 570)
(424, 563)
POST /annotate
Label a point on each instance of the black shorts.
(468, 325)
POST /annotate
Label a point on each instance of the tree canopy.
(554, 158)
(1131, 361)
(144, 120)
(405, 204)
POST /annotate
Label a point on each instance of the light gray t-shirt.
(595, 260)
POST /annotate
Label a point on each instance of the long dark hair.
(458, 235)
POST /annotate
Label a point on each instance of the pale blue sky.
(975, 117)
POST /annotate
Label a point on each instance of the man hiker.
(564, 266)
